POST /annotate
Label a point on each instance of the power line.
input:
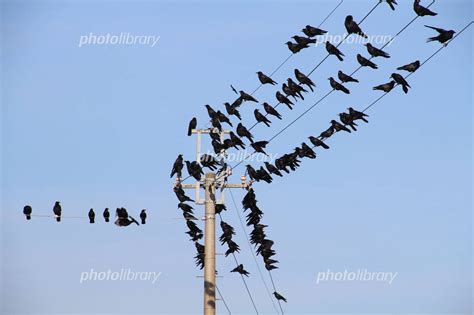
(274, 288)
(289, 57)
(223, 300)
(243, 279)
(332, 90)
(251, 250)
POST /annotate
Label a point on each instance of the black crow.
(339, 127)
(236, 142)
(258, 146)
(278, 296)
(272, 169)
(332, 50)
(347, 120)
(391, 4)
(289, 92)
(27, 210)
(194, 169)
(231, 110)
(311, 31)
(247, 97)
(264, 79)
(337, 86)
(307, 151)
(271, 111)
(211, 112)
(240, 269)
(261, 118)
(411, 67)
(386, 87)
(304, 41)
(401, 80)
(283, 99)
(303, 79)
(57, 211)
(357, 115)
(143, 216)
(421, 10)
(243, 132)
(91, 215)
(192, 125)
(352, 27)
(443, 37)
(296, 88)
(327, 133)
(345, 78)
(106, 215)
(366, 62)
(223, 118)
(177, 166)
(295, 48)
(375, 52)
(317, 142)
(233, 89)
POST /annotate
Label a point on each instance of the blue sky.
(100, 125)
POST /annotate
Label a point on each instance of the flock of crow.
(122, 216)
(292, 90)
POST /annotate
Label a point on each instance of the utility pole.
(210, 245)
(210, 183)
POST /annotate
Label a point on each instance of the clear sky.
(100, 125)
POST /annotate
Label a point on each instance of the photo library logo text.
(359, 275)
(123, 39)
(376, 40)
(242, 156)
(125, 274)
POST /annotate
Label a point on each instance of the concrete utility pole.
(210, 183)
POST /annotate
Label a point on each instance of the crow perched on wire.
(339, 127)
(258, 146)
(180, 194)
(91, 216)
(286, 89)
(57, 211)
(443, 37)
(366, 62)
(296, 88)
(223, 118)
(352, 27)
(194, 169)
(143, 216)
(261, 118)
(401, 80)
(421, 10)
(192, 125)
(211, 112)
(303, 79)
(283, 99)
(278, 296)
(231, 110)
(243, 132)
(272, 169)
(345, 78)
(209, 161)
(194, 231)
(295, 48)
(332, 50)
(240, 269)
(271, 111)
(106, 215)
(375, 52)
(123, 219)
(327, 133)
(317, 142)
(304, 41)
(311, 31)
(347, 120)
(306, 151)
(251, 172)
(227, 233)
(411, 67)
(264, 79)
(27, 210)
(247, 97)
(199, 258)
(386, 87)
(236, 142)
(177, 166)
(357, 115)
(337, 86)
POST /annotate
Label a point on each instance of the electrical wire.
(251, 250)
(223, 300)
(274, 288)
